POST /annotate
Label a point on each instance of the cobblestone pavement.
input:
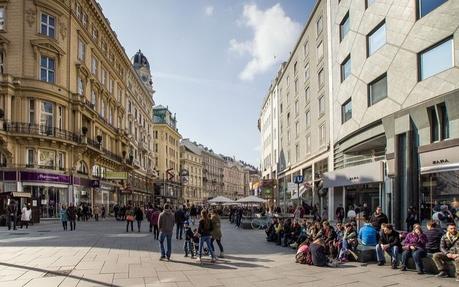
(103, 254)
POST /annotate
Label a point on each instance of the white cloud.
(274, 36)
(209, 10)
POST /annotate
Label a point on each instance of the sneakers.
(420, 272)
(380, 263)
(162, 258)
(442, 274)
(403, 268)
(222, 255)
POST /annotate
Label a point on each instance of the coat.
(216, 231)
(449, 244)
(26, 214)
(166, 222)
(393, 239)
(64, 215)
(413, 239)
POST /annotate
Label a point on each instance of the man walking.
(12, 214)
(179, 221)
(72, 214)
(166, 227)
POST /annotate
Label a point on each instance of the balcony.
(40, 130)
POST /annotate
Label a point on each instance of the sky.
(212, 61)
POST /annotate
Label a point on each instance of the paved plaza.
(103, 254)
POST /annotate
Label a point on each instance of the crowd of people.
(319, 243)
(16, 215)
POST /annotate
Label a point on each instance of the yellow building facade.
(75, 119)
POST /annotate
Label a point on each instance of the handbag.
(130, 218)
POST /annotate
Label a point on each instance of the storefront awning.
(440, 168)
(440, 160)
(22, 194)
(361, 174)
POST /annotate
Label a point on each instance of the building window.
(436, 59)
(31, 111)
(427, 6)
(376, 39)
(306, 71)
(30, 157)
(439, 122)
(2, 61)
(95, 34)
(308, 118)
(322, 135)
(308, 144)
(321, 105)
(307, 95)
(344, 27)
(48, 25)
(368, 3)
(47, 117)
(93, 97)
(94, 64)
(346, 111)
(103, 74)
(305, 49)
(444, 121)
(297, 152)
(80, 86)
(102, 108)
(433, 119)
(321, 78)
(2, 18)
(47, 69)
(320, 51)
(319, 25)
(61, 160)
(377, 90)
(346, 68)
(60, 117)
(81, 50)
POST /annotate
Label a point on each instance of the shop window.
(346, 111)
(377, 90)
(346, 68)
(427, 6)
(376, 38)
(436, 59)
(48, 25)
(344, 27)
(47, 69)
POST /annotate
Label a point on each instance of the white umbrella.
(251, 199)
(220, 200)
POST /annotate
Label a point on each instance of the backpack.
(303, 255)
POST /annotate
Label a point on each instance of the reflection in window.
(346, 111)
(377, 90)
(344, 27)
(436, 59)
(427, 6)
(376, 39)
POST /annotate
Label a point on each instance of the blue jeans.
(168, 237)
(417, 255)
(188, 247)
(205, 239)
(392, 251)
(179, 230)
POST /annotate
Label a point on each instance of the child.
(64, 216)
(195, 240)
(189, 245)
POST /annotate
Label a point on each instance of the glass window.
(444, 121)
(376, 39)
(344, 27)
(427, 6)
(308, 144)
(61, 160)
(47, 117)
(433, 120)
(322, 135)
(307, 96)
(377, 90)
(346, 111)
(320, 51)
(94, 64)
(30, 157)
(32, 111)
(93, 97)
(81, 50)
(306, 71)
(321, 78)
(47, 69)
(308, 118)
(47, 25)
(346, 68)
(321, 105)
(436, 59)
(2, 18)
(319, 25)
(80, 87)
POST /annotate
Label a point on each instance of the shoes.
(380, 263)
(442, 274)
(168, 259)
(186, 255)
(162, 258)
(199, 260)
(420, 272)
(222, 255)
(403, 268)
(394, 266)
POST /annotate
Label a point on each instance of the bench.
(429, 265)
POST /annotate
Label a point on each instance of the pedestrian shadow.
(250, 259)
(51, 273)
(221, 264)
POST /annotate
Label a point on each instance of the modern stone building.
(233, 178)
(191, 169)
(167, 156)
(395, 105)
(75, 114)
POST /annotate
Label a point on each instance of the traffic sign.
(298, 179)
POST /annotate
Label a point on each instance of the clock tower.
(142, 68)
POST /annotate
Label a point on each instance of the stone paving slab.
(103, 254)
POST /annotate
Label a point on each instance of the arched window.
(82, 167)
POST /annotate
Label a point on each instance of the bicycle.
(260, 223)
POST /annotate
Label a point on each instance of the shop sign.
(361, 174)
(120, 175)
(44, 177)
(10, 176)
(439, 160)
(86, 182)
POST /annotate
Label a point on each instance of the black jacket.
(205, 229)
(319, 258)
(377, 220)
(138, 213)
(392, 239)
(180, 216)
(188, 234)
(433, 239)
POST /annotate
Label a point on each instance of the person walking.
(138, 213)
(64, 216)
(154, 221)
(193, 213)
(129, 218)
(216, 232)
(179, 220)
(166, 226)
(103, 212)
(12, 214)
(96, 212)
(205, 231)
(72, 215)
(26, 215)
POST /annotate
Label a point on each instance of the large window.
(48, 25)
(427, 6)
(321, 105)
(346, 111)
(436, 59)
(322, 135)
(319, 25)
(81, 50)
(47, 69)
(2, 18)
(377, 90)
(320, 51)
(376, 39)
(47, 117)
(344, 27)
(346, 68)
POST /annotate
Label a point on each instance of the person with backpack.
(205, 232)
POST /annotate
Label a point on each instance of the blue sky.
(212, 61)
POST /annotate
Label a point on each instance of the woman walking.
(64, 216)
(138, 213)
(216, 232)
(26, 215)
(129, 218)
(204, 230)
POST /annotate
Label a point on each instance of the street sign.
(291, 187)
(298, 179)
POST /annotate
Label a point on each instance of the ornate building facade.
(75, 115)
(191, 169)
